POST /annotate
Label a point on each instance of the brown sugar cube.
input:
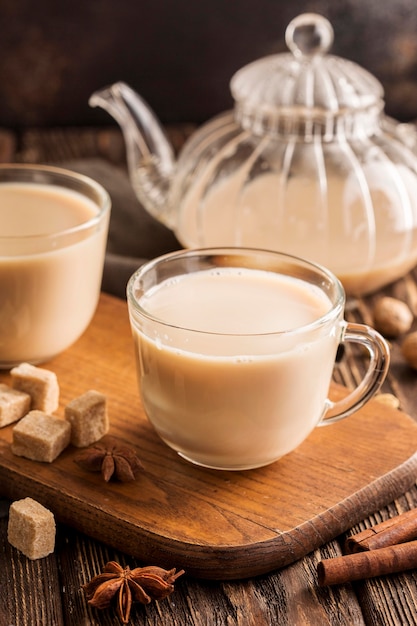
(31, 528)
(14, 404)
(87, 415)
(40, 384)
(40, 437)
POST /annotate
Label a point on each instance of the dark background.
(180, 54)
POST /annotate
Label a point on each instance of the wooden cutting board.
(214, 524)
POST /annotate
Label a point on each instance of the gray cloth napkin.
(134, 235)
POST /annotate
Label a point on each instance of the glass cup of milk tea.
(53, 234)
(235, 352)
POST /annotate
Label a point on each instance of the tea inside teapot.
(365, 250)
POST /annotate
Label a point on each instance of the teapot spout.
(150, 157)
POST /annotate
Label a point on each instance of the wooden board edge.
(222, 562)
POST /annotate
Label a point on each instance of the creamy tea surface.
(28, 209)
(236, 301)
(50, 269)
(239, 389)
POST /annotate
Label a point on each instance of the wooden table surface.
(48, 592)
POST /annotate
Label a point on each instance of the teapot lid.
(305, 82)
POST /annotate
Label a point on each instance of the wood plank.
(392, 599)
(214, 524)
(33, 592)
(7, 146)
(23, 588)
(287, 597)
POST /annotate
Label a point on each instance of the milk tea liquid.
(293, 216)
(236, 390)
(48, 293)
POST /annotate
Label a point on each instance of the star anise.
(141, 584)
(111, 458)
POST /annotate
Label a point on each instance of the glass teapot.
(306, 163)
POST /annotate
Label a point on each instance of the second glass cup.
(53, 234)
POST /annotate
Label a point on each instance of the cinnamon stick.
(395, 530)
(367, 564)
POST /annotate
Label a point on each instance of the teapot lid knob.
(309, 35)
(277, 91)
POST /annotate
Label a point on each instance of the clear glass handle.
(377, 370)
